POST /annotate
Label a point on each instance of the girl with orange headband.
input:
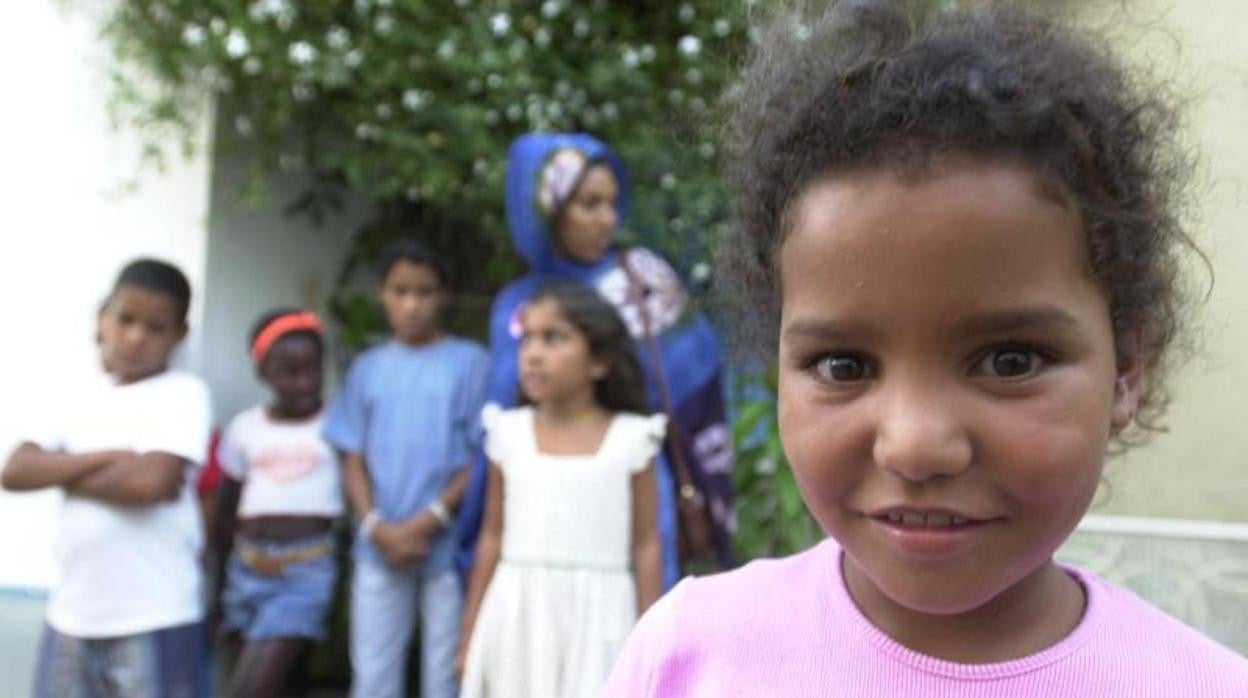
(280, 498)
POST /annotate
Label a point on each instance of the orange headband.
(282, 326)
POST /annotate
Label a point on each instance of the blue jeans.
(165, 663)
(385, 604)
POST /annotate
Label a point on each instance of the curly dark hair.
(884, 84)
(623, 388)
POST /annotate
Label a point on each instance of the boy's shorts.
(165, 663)
(294, 603)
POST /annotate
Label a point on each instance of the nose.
(409, 302)
(921, 434)
(132, 336)
(609, 219)
(530, 353)
(308, 383)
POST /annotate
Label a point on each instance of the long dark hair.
(623, 388)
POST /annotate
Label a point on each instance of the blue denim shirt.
(414, 414)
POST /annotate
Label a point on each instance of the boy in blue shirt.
(407, 425)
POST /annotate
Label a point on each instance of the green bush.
(413, 103)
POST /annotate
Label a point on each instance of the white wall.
(260, 259)
(70, 220)
(1197, 469)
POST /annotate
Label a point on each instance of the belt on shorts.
(274, 564)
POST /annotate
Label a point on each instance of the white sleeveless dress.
(562, 600)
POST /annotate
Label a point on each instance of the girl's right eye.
(842, 368)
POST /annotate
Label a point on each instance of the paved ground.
(21, 622)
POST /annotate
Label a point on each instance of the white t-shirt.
(287, 468)
(126, 570)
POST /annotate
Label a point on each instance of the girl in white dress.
(569, 552)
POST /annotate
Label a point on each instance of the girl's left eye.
(1010, 362)
(842, 368)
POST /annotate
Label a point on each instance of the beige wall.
(1199, 470)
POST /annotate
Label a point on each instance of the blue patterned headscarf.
(543, 171)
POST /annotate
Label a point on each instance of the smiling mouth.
(934, 519)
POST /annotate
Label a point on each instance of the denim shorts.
(293, 604)
(165, 663)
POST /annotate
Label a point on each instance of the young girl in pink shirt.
(964, 232)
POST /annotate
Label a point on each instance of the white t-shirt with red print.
(286, 468)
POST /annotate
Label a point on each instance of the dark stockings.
(263, 667)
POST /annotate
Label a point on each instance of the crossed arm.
(119, 477)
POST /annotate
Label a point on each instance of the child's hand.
(397, 545)
(461, 658)
(422, 529)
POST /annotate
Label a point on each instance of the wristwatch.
(440, 512)
(368, 523)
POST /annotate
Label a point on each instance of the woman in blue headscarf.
(566, 196)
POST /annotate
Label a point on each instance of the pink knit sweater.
(789, 628)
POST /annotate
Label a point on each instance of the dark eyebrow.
(993, 322)
(1015, 320)
(826, 331)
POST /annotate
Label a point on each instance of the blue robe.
(692, 355)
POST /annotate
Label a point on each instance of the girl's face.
(294, 368)
(587, 224)
(948, 378)
(555, 360)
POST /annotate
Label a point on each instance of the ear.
(598, 369)
(1129, 372)
(182, 332)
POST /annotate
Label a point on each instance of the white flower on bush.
(263, 9)
(236, 44)
(689, 45)
(668, 181)
(721, 27)
(647, 53)
(242, 124)
(383, 25)
(337, 38)
(610, 112)
(700, 272)
(541, 37)
(631, 58)
(500, 24)
(580, 28)
(302, 53)
(550, 9)
(384, 111)
(354, 58)
(252, 66)
(659, 292)
(193, 35)
(446, 49)
(686, 13)
(413, 99)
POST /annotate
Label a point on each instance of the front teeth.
(910, 518)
